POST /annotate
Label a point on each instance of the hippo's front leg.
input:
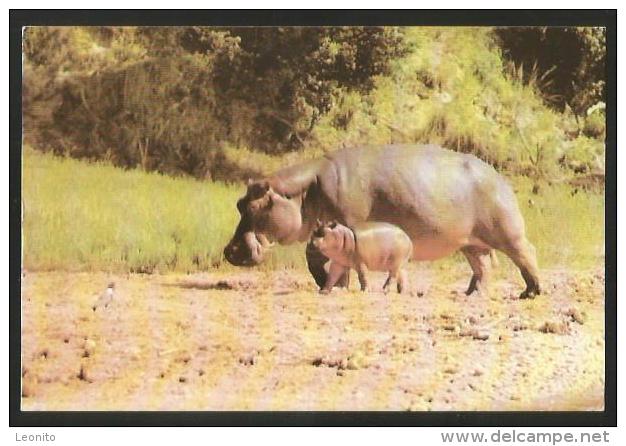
(335, 272)
(315, 261)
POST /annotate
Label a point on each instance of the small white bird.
(105, 298)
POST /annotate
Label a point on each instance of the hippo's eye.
(288, 197)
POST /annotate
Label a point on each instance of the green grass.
(567, 229)
(92, 216)
(95, 216)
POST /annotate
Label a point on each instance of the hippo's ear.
(257, 189)
(333, 224)
(319, 223)
(249, 182)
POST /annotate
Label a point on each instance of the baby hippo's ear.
(333, 224)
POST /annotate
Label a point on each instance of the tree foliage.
(570, 62)
(162, 98)
(196, 100)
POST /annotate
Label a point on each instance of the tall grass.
(92, 216)
(566, 225)
(95, 216)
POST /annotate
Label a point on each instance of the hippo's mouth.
(248, 251)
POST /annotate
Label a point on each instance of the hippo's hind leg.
(388, 282)
(397, 275)
(524, 255)
(361, 271)
(479, 259)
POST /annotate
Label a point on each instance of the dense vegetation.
(225, 103)
(568, 64)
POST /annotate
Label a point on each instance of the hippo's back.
(379, 244)
(375, 229)
(414, 176)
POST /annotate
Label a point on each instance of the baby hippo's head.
(328, 237)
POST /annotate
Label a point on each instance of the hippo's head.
(265, 214)
(326, 238)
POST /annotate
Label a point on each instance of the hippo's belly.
(432, 238)
(433, 249)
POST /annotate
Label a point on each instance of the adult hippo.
(445, 201)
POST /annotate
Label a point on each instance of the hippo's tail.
(494, 258)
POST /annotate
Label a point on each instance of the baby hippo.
(366, 246)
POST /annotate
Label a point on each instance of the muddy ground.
(251, 340)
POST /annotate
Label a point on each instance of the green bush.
(177, 93)
(584, 155)
(595, 125)
(159, 115)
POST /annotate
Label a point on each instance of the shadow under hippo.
(445, 201)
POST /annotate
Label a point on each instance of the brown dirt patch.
(249, 340)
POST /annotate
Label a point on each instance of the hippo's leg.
(480, 260)
(334, 274)
(401, 280)
(344, 281)
(361, 271)
(524, 255)
(394, 274)
(387, 282)
(316, 261)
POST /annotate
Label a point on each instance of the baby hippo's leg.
(387, 283)
(334, 274)
(361, 271)
(393, 275)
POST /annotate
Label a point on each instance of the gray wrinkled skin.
(445, 201)
(369, 246)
